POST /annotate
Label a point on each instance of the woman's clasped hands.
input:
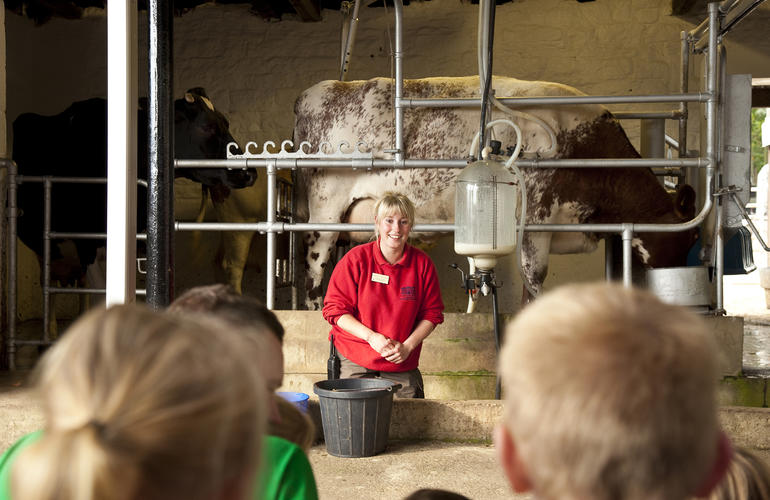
(392, 350)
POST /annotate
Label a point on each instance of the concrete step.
(458, 360)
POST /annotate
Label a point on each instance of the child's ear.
(719, 468)
(515, 470)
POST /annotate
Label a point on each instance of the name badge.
(380, 278)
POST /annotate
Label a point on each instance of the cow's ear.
(684, 202)
(198, 91)
(183, 110)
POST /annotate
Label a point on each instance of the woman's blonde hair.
(392, 202)
(144, 405)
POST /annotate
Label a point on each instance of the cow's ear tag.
(380, 278)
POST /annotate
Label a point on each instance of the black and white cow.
(73, 144)
(355, 111)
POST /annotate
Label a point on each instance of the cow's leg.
(319, 250)
(535, 249)
(235, 254)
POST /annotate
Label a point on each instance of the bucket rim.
(376, 388)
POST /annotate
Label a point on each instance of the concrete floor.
(469, 469)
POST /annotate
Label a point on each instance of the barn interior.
(254, 59)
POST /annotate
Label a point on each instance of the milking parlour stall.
(542, 143)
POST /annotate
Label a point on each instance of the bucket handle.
(390, 388)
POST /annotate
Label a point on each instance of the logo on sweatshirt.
(408, 293)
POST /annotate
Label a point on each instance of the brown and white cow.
(362, 111)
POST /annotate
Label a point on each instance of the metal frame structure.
(705, 37)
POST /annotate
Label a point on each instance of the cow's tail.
(300, 179)
(196, 235)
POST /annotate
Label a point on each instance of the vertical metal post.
(46, 279)
(293, 245)
(271, 236)
(399, 83)
(121, 152)
(350, 39)
(160, 190)
(487, 10)
(712, 135)
(496, 320)
(609, 257)
(13, 290)
(628, 235)
(719, 268)
(683, 86)
(653, 138)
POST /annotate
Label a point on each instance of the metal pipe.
(12, 213)
(70, 180)
(683, 88)
(60, 235)
(399, 83)
(487, 16)
(727, 5)
(46, 281)
(61, 180)
(696, 33)
(350, 39)
(719, 268)
(271, 209)
(496, 324)
(160, 128)
(34, 342)
(732, 21)
(280, 227)
(666, 115)
(627, 233)
(748, 220)
(86, 291)
(712, 138)
(76, 291)
(609, 257)
(474, 102)
(292, 163)
(653, 138)
(670, 141)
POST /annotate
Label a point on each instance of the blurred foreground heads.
(609, 394)
(144, 405)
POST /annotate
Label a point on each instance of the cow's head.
(671, 249)
(202, 132)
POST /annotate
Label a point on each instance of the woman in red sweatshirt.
(383, 300)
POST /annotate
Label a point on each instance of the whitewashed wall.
(253, 71)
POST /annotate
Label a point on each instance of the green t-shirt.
(285, 472)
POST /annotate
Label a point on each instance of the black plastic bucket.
(355, 413)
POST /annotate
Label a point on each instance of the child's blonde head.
(144, 405)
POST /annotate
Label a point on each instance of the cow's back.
(334, 112)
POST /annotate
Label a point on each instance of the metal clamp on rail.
(732, 192)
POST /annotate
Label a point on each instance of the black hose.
(496, 321)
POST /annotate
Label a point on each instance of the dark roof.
(41, 11)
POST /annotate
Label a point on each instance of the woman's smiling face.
(393, 231)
